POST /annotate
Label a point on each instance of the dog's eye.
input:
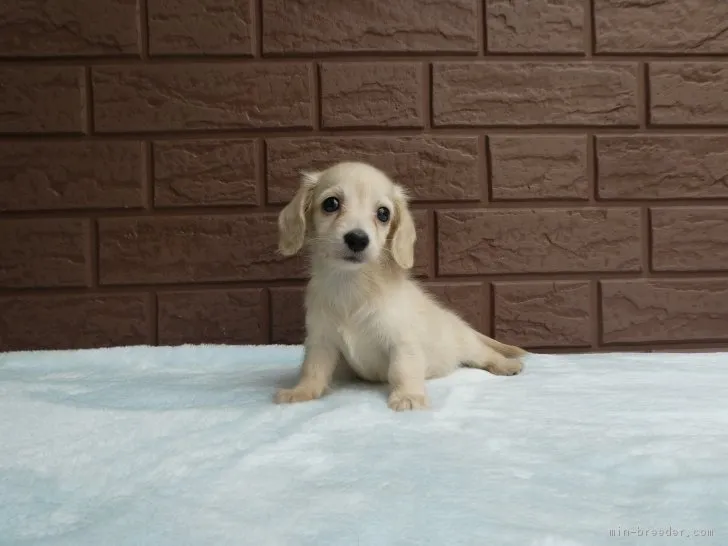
(383, 214)
(330, 204)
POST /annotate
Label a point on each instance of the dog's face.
(350, 214)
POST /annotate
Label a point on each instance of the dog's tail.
(509, 351)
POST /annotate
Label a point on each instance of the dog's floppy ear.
(404, 234)
(292, 219)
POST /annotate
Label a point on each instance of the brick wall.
(569, 161)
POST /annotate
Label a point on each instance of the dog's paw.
(507, 366)
(403, 401)
(296, 394)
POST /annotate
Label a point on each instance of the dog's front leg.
(407, 380)
(319, 364)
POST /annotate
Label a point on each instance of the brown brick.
(230, 317)
(685, 239)
(543, 314)
(201, 96)
(423, 245)
(689, 93)
(317, 26)
(192, 249)
(38, 253)
(205, 172)
(643, 311)
(70, 175)
(467, 299)
(75, 27)
(663, 167)
(534, 93)
(432, 168)
(538, 26)
(371, 94)
(200, 27)
(41, 100)
(73, 322)
(669, 26)
(538, 168)
(288, 323)
(538, 241)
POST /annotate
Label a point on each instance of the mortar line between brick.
(709, 345)
(595, 310)
(234, 211)
(646, 236)
(388, 133)
(354, 57)
(648, 103)
(642, 99)
(485, 170)
(317, 97)
(257, 16)
(482, 28)
(153, 310)
(260, 172)
(119, 289)
(144, 29)
(432, 251)
(490, 291)
(589, 29)
(435, 256)
(592, 170)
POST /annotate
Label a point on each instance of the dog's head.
(350, 215)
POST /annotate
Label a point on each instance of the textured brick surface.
(42, 253)
(72, 27)
(661, 26)
(205, 172)
(200, 27)
(566, 159)
(538, 241)
(41, 100)
(64, 175)
(212, 316)
(534, 93)
(424, 243)
(310, 26)
(73, 322)
(661, 167)
(539, 168)
(371, 95)
(543, 314)
(287, 315)
(192, 249)
(203, 96)
(467, 299)
(689, 93)
(690, 239)
(539, 26)
(432, 168)
(645, 311)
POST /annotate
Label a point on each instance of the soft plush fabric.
(183, 446)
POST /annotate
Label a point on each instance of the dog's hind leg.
(484, 356)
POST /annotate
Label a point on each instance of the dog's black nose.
(356, 240)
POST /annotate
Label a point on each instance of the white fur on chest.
(363, 345)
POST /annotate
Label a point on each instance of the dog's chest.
(365, 349)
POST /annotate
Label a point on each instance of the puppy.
(363, 311)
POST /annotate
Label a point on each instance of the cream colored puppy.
(362, 309)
